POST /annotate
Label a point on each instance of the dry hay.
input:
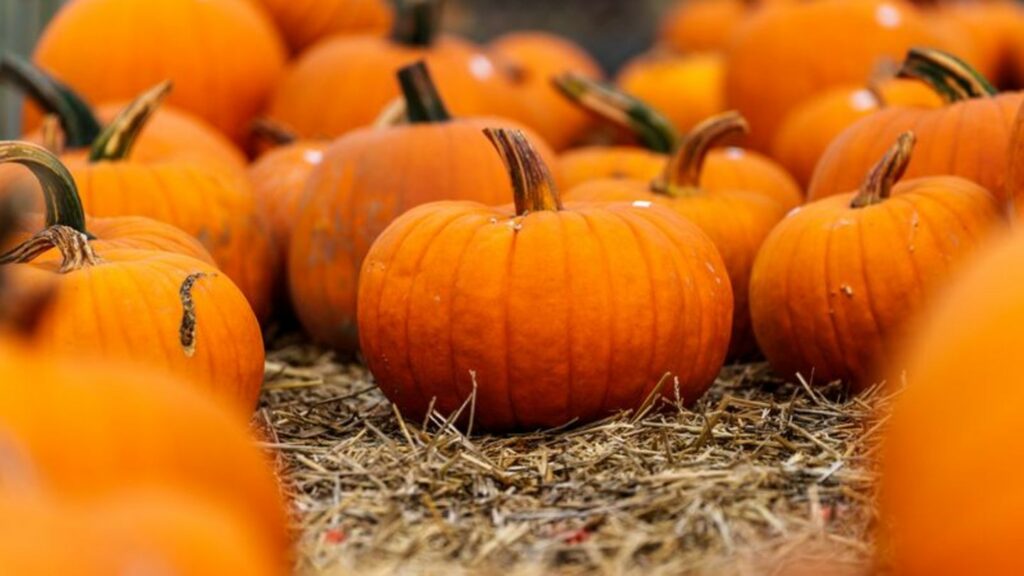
(757, 476)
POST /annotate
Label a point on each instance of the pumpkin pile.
(505, 234)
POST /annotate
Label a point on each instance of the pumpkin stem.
(272, 131)
(63, 206)
(392, 115)
(684, 169)
(952, 78)
(116, 141)
(531, 181)
(423, 103)
(75, 251)
(77, 119)
(417, 22)
(878, 185)
(52, 135)
(650, 127)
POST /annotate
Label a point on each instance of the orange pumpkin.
(224, 79)
(316, 97)
(87, 432)
(838, 280)
(723, 168)
(791, 52)
(533, 59)
(686, 89)
(702, 25)
(809, 128)
(541, 315)
(303, 23)
(736, 219)
(968, 137)
(367, 179)
(993, 28)
(956, 427)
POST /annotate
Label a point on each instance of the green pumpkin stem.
(77, 119)
(116, 141)
(531, 181)
(952, 78)
(878, 185)
(63, 206)
(684, 168)
(75, 251)
(653, 130)
(417, 22)
(423, 103)
(276, 133)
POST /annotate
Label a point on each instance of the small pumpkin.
(727, 168)
(702, 25)
(532, 60)
(542, 315)
(809, 128)
(367, 179)
(968, 137)
(686, 89)
(224, 79)
(837, 282)
(956, 426)
(785, 55)
(316, 97)
(303, 23)
(736, 219)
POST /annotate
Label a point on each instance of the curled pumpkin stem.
(116, 141)
(75, 251)
(878, 185)
(63, 206)
(952, 78)
(423, 103)
(650, 127)
(531, 181)
(684, 169)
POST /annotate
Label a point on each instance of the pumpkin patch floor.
(760, 475)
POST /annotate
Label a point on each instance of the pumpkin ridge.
(870, 296)
(836, 345)
(795, 333)
(567, 286)
(513, 410)
(648, 268)
(613, 304)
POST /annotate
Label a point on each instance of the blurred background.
(612, 30)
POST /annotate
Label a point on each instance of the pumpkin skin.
(686, 89)
(788, 39)
(968, 138)
(225, 81)
(306, 22)
(532, 59)
(702, 25)
(809, 128)
(523, 305)
(876, 265)
(608, 162)
(68, 433)
(992, 27)
(968, 338)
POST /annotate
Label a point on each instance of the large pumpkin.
(736, 219)
(317, 99)
(222, 55)
(791, 52)
(532, 60)
(541, 315)
(968, 137)
(367, 179)
(956, 429)
(686, 89)
(838, 280)
(303, 23)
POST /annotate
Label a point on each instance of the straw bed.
(759, 475)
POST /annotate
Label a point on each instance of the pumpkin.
(162, 530)
(722, 169)
(315, 97)
(542, 315)
(686, 89)
(303, 23)
(85, 432)
(791, 52)
(532, 59)
(810, 127)
(102, 296)
(367, 179)
(225, 79)
(992, 28)
(837, 282)
(701, 25)
(968, 137)
(736, 219)
(956, 426)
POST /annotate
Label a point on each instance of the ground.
(759, 477)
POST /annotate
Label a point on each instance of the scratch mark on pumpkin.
(187, 330)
